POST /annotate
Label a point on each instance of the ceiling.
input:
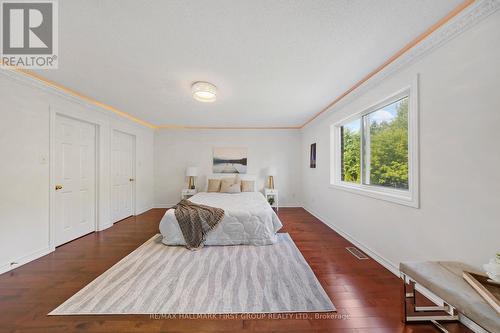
(275, 63)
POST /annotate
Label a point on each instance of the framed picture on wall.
(312, 156)
(230, 160)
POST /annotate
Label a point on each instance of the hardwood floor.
(366, 295)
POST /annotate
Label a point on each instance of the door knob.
(59, 187)
(131, 179)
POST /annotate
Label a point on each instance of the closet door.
(123, 175)
(75, 178)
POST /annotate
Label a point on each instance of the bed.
(248, 219)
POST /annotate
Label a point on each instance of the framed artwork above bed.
(230, 160)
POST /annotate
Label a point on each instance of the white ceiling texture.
(275, 63)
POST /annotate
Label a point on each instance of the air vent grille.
(357, 253)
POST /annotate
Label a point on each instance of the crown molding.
(180, 127)
(461, 18)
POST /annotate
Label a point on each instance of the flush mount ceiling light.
(204, 91)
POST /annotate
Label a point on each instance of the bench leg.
(439, 326)
(406, 294)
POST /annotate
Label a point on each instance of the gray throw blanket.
(196, 221)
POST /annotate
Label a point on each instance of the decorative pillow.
(235, 188)
(225, 183)
(213, 185)
(247, 186)
(230, 185)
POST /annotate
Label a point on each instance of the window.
(374, 152)
(351, 151)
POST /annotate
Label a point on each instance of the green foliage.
(351, 157)
(389, 151)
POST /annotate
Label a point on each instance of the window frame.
(408, 197)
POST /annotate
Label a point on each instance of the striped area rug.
(160, 279)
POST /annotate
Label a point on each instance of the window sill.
(395, 196)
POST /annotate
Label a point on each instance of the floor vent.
(357, 253)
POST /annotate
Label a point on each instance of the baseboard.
(104, 227)
(164, 205)
(25, 259)
(373, 254)
(143, 209)
(392, 267)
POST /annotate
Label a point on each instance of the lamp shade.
(271, 171)
(191, 171)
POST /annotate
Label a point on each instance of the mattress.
(248, 219)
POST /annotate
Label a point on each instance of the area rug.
(160, 279)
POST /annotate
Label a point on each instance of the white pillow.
(247, 186)
(230, 185)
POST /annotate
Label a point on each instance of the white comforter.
(248, 219)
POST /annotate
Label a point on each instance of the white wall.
(177, 149)
(459, 218)
(25, 147)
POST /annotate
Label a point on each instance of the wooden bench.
(445, 280)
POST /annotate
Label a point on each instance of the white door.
(75, 179)
(122, 174)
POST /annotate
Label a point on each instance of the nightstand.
(187, 193)
(272, 193)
